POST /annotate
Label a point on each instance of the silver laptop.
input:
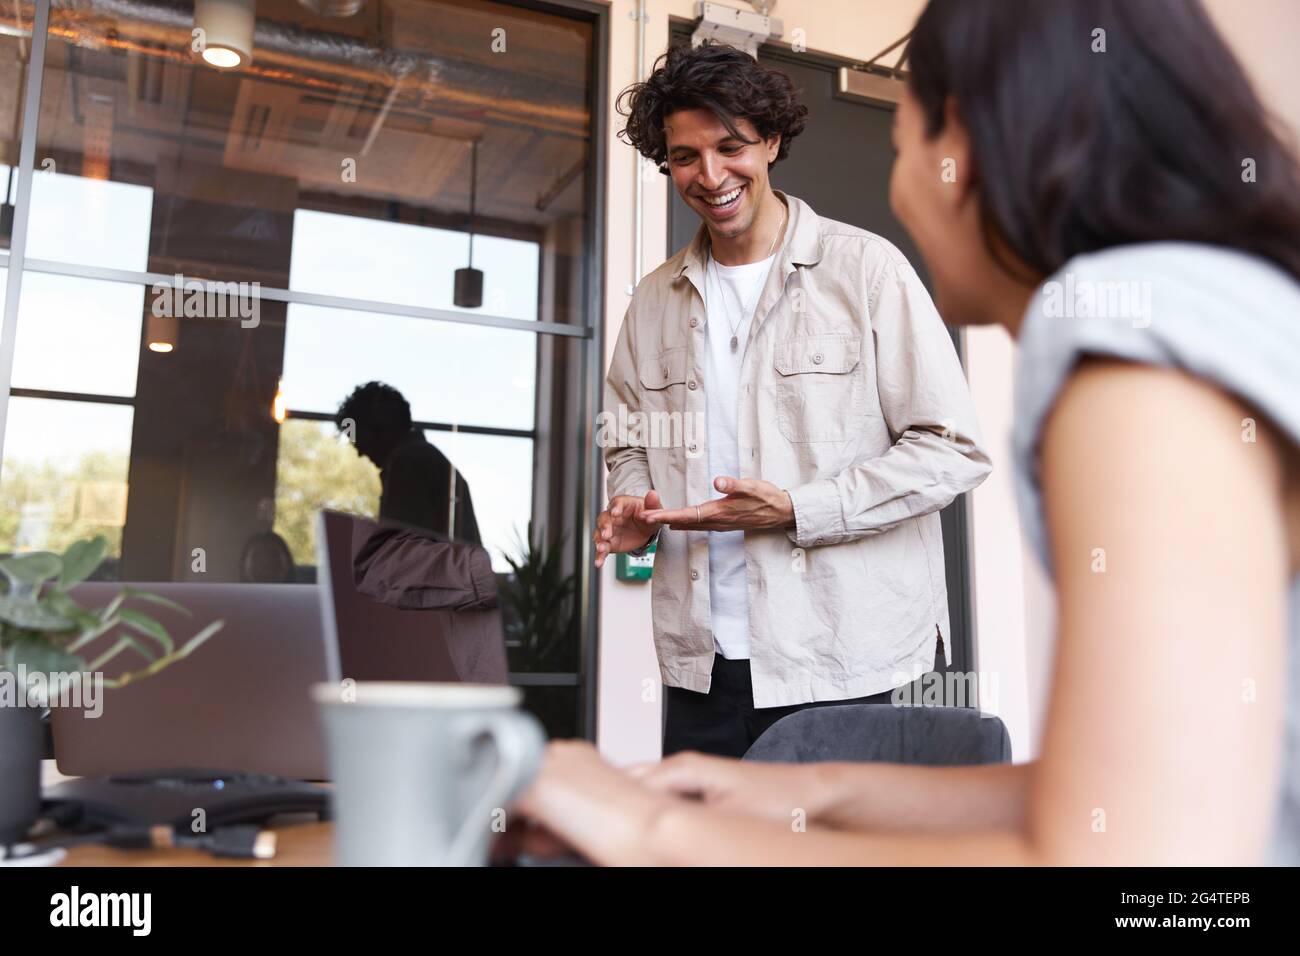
(240, 701)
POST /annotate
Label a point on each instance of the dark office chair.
(881, 733)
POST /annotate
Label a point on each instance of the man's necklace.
(744, 311)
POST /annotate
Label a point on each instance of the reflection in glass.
(90, 221)
(337, 161)
(366, 120)
(343, 255)
(499, 472)
(78, 335)
(65, 474)
(15, 47)
(317, 468)
(450, 373)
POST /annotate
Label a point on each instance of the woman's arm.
(1164, 729)
(850, 796)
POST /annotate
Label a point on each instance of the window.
(215, 260)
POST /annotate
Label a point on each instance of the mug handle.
(519, 743)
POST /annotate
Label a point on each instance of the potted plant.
(539, 608)
(43, 633)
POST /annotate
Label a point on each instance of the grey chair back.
(881, 733)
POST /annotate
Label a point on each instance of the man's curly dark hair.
(374, 403)
(725, 80)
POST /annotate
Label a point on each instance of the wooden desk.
(298, 843)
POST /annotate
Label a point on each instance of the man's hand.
(622, 527)
(750, 504)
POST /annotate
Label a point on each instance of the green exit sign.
(636, 568)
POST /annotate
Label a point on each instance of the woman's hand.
(779, 792)
(580, 802)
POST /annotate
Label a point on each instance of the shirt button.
(691, 385)
(665, 371)
(695, 575)
(694, 321)
(817, 359)
(694, 448)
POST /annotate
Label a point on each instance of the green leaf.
(98, 663)
(62, 604)
(109, 609)
(38, 654)
(142, 649)
(96, 629)
(200, 638)
(154, 599)
(146, 625)
(81, 559)
(194, 642)
(28, 571)
(29, 614)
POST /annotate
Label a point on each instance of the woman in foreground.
(1117, 202)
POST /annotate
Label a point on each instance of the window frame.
(590, 332)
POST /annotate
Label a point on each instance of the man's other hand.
(621, 528)
(750, 504)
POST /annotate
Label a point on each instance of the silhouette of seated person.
(415, 477)
(266, 559)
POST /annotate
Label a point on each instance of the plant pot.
(20, 771)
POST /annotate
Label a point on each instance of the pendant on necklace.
(735, 342)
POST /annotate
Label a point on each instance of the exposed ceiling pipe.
(309, 58)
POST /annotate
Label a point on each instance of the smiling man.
(799, 558)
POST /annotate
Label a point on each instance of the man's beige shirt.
(853, 400)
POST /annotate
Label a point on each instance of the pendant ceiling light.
(227, 27)
(162, 333)
(7, 207)
(469, 281)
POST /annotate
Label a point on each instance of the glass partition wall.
(215, 256)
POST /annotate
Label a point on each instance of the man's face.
(709, 164)
(370, 442)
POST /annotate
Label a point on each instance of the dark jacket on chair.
(412, 569)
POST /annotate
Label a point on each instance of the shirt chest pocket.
(819, 391)
(663, 380)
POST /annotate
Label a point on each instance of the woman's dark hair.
(727, 81)
(1098, 123)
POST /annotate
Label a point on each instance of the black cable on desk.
(244, 841)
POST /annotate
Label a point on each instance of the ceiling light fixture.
(161, 332)
(227, 25)
(468, 292)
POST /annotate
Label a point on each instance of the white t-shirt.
(730, 296)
